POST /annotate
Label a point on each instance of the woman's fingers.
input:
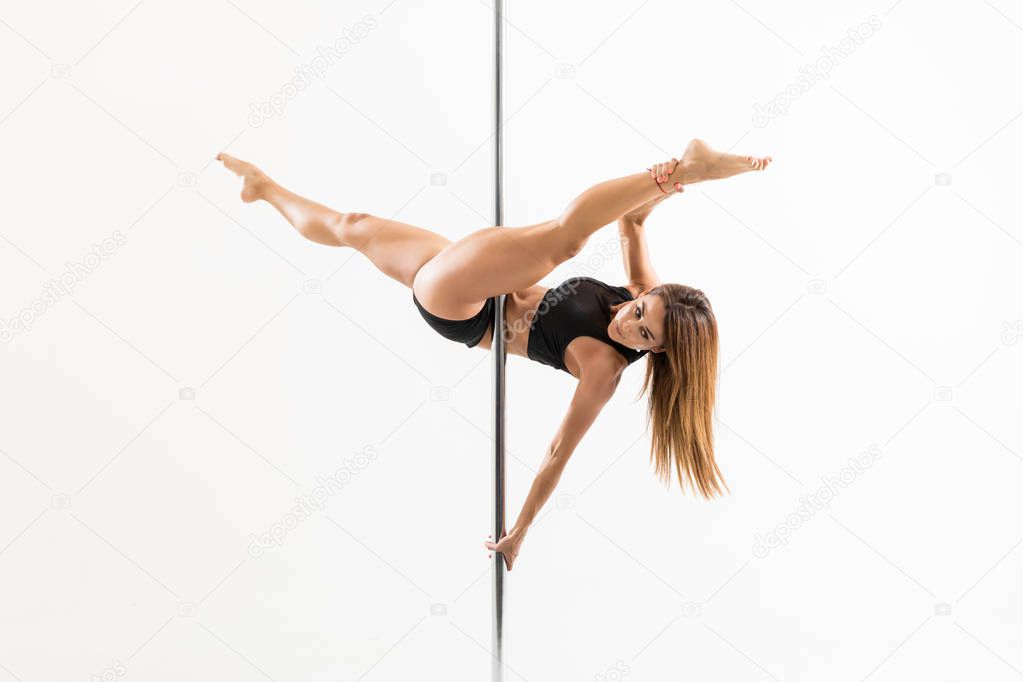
(666, 169)
(509, 559)
(496, 546)
(502, 547)
(662, 171)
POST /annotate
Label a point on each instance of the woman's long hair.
(682, 383)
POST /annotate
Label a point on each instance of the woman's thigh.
(397, 249)
(495, 260)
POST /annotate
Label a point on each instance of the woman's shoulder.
(586, 354)
(633, 289)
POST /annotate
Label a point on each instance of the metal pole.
(499, 353)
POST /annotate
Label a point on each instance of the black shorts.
(469, 332)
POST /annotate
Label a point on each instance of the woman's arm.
(635, 253)
(596, 386)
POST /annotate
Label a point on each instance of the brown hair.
(682, 383)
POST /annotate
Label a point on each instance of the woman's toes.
(232, 164)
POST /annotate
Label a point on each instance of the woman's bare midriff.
(519, 309)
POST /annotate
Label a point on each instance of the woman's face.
(639, 323)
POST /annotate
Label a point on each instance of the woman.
(584, 327)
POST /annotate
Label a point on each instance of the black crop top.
(579, 306)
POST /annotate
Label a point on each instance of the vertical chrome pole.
(499, 353)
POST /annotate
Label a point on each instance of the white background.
(863, 303)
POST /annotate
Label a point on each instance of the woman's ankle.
(686, 173)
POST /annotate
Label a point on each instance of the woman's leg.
(397, 249)
(499, 260)
(454, 279)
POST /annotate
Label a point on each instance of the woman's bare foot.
(700, 163)
(256, 181)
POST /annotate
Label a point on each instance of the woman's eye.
(637, 312)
